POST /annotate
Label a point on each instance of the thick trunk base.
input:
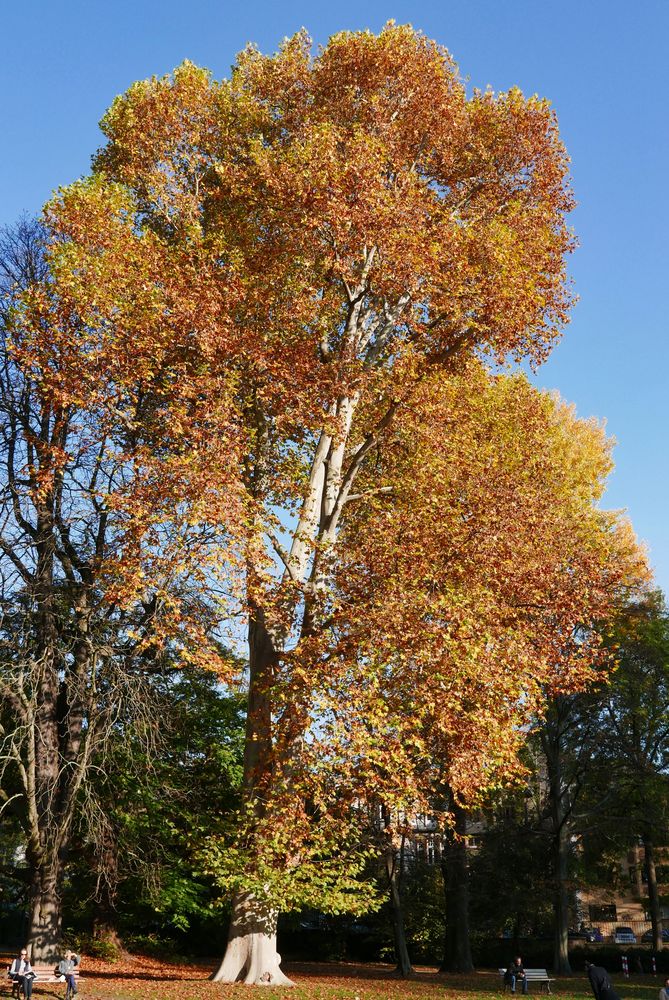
(45, 924)
(251, 956)
(252, 959)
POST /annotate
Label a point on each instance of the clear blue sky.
(603, 64)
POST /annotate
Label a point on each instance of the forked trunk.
(251, 956)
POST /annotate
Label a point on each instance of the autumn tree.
(483, 559)
(337, 231)
(98, 565)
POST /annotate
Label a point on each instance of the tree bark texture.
(251, 956)
(653, 894)
(455, 871)
(393, 863)
(45, 914)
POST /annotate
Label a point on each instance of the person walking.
(602, 988)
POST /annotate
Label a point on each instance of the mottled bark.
(45, 913)
(251, 956)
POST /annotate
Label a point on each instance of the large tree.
(488, 572)
(98, 563)
(345, 228)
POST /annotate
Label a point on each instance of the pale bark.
(251, 956)
(251, 951)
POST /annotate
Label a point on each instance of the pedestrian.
(664, 992)
(600, 982)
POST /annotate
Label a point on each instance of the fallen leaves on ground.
(137, 977)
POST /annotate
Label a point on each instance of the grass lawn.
(138, 978)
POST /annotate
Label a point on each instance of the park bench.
(44, 974)
(532, 976)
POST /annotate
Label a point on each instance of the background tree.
(568, 737)
(149, 811)
(98, 568)
(460, 586)
(511, 887)
(633, 739)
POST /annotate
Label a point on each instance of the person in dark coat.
(601, 984)
(516, 974)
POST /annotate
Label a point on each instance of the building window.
(602, 913)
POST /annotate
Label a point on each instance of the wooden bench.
(44, 974)
(531, 976)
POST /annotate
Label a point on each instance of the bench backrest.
(47, 973)
(530, 973)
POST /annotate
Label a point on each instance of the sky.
(602, 63)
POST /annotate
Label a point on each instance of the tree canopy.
(282, 295)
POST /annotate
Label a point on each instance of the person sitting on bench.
(516, 973)
(66, 968)
(21, 973)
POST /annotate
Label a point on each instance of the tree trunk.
(251, 956)
(561, 901)
(105, 913)
(653, 895)
(454, 867)
(394, 871)
(45, 915)
(559, 808)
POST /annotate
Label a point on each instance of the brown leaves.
(139, 977)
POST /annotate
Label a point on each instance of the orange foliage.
(298, 266)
